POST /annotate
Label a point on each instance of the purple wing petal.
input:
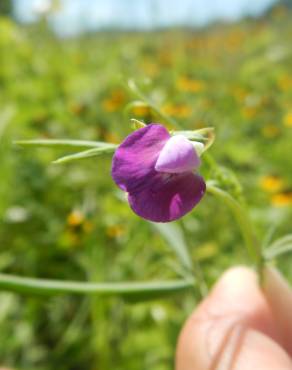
(178, 155)
(134, 160)
(170, 197)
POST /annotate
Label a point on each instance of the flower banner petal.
(134, 160)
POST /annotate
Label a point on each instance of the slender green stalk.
(99, 309)
(128, 290)
(252, 244)
(197, 272)
(134, 88)
(271, 254)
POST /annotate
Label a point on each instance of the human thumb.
(233, 328)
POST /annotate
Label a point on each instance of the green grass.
(68, 222)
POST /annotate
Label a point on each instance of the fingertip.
(235, 282)
(235, 302)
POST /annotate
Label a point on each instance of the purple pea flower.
(157, 171)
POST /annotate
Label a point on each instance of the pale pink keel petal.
(134, 160)
(177, 156)
(170, 198)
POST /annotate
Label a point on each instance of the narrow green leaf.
(283, 240)
(61, 143)
(135, 291)
(281, 246)
(269, 235)
(87, 154)
(272, 253)
(176, 241)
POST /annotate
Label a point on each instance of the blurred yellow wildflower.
(179, 111)
(150, 68)
(77, 221)
(249, 112)
(109, 105)
(234, 40)
(115, 231)
(189, 85)
(75, 218)
(207, 250)
(141, 110)
(285, 82)
(76, 108)
(271, 183)
(87, 226)
(239, 93)
(282, 199)
(111, 137)
(270, 131)
(165, 58)
(287, 120)
(114, 102)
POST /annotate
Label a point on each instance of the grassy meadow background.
(68, 221)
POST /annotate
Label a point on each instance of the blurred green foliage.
(69, 222)
(6, 7)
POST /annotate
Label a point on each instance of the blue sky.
(80, 15)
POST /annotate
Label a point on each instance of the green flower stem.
(99, 310)
(128, 290)
(251, 241)
(196, 270)
(134, 89)
(198, 274)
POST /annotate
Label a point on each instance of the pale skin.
(240, 326)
